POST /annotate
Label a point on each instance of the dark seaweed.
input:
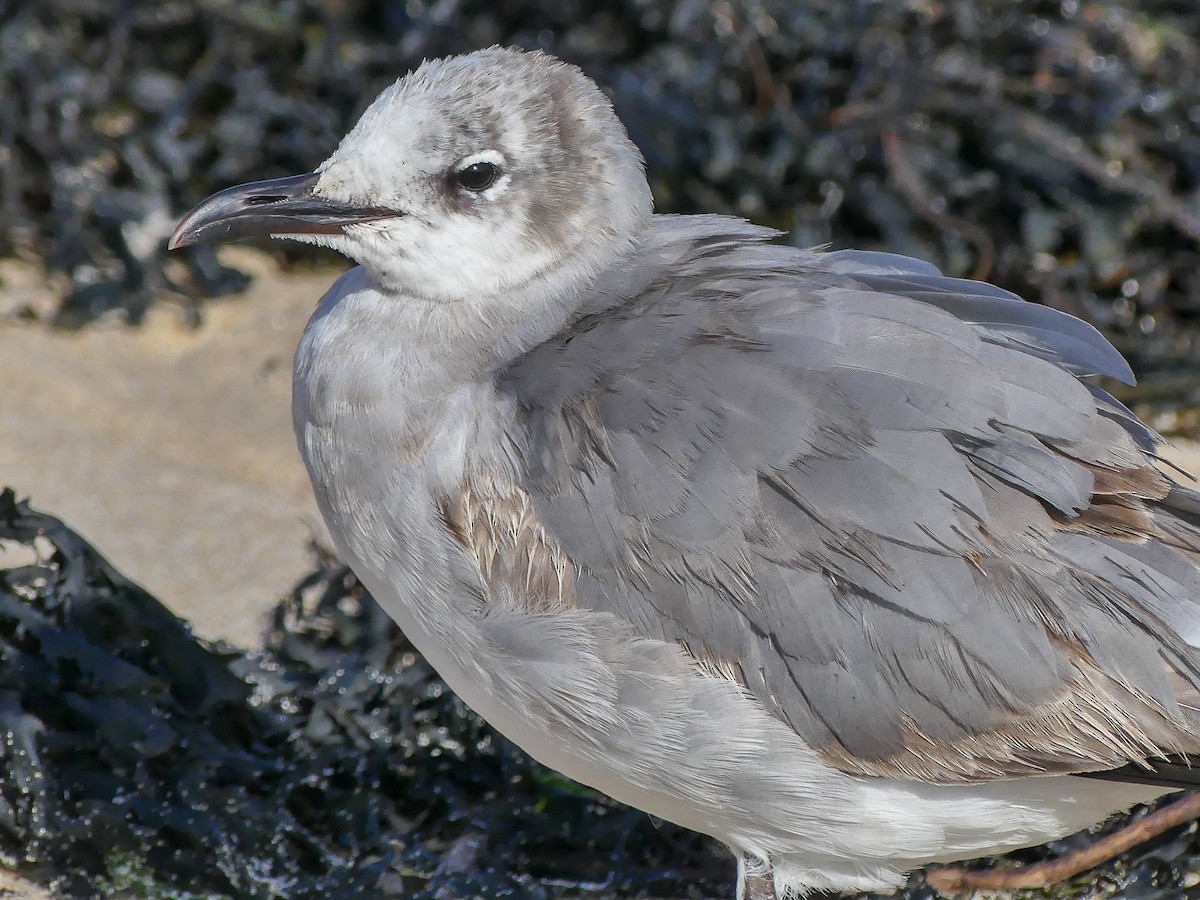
(333, 764)
(1052, 147)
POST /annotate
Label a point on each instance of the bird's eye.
(478, 176)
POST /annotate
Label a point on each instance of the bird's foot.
(756, 881)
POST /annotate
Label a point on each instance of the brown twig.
(764, 82)
(916, 191)
(954, 880)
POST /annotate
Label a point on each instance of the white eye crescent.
(482, 174)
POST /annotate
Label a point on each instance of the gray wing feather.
(1023, 462)
(1146, 438)
(868, 486)
(998, 315)
(1005, 319)
(875, 262)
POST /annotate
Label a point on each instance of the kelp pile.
(136, 760)
(1052, 147)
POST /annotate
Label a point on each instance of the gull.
(825, 554)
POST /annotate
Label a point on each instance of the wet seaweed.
(1052, 147)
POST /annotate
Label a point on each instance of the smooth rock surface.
(171, 448)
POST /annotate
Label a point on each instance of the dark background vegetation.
(1050, 147)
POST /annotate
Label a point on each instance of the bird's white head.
(472, 176)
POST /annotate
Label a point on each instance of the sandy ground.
(171, 449)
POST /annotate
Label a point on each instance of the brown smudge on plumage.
(1125, 484)
(519, 563)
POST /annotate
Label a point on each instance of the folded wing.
(884, 500)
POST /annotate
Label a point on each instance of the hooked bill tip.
(178, 238)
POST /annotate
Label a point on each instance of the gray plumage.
(856, 479)
(831, 556)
